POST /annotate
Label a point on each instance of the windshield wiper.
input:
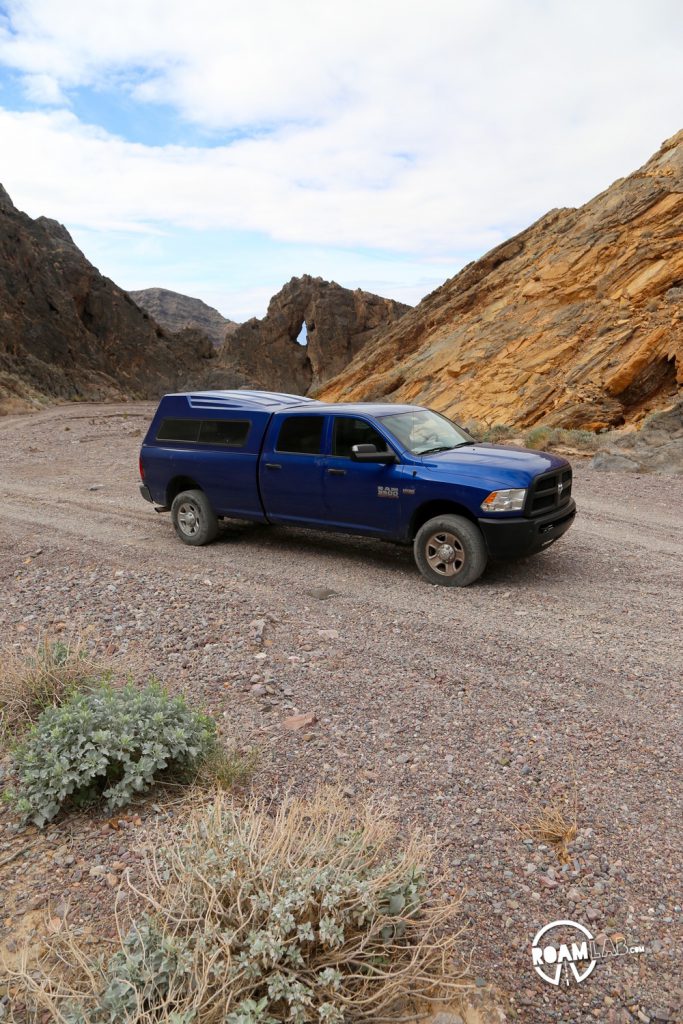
(439, 448)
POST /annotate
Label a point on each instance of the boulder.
(656, 447)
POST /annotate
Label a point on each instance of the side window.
(178, 430)
(301, 435)
(348, 431)
(232, 433)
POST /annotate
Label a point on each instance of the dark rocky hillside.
(69, 333)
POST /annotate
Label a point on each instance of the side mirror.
(369, 453)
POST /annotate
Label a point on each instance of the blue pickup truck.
(398, 472)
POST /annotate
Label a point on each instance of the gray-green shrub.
(319, 913)
(108, 742)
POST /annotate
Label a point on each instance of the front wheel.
(450, 551)
(193, 518)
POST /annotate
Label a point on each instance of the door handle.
(337, 472)
(273, 465)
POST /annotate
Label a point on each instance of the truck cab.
(398, 472)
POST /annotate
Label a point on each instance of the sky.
(219, 148)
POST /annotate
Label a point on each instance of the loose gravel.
(460, 710)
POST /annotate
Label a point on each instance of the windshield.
(422, 431)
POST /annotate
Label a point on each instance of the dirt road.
(458, 708)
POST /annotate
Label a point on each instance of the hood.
(503, 464)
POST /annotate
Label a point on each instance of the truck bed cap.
(268, 401)
(274, 401)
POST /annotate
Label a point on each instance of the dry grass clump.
(554, 822)
(33, 679)
(316, 913)
(226, 768)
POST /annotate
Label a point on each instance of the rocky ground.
(458, 709)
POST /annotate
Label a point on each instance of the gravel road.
(459, 709)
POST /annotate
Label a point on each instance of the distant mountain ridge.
(576, 321)
(176, 312)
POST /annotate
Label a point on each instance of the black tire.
(193, 518)
(450, 551)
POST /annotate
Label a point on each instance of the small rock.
(97, 871)
(96, 487)
(256, 628)
(295, 722)
(592, 914)
(321, 593)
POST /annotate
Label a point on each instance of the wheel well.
(437, 508)
(178, 484)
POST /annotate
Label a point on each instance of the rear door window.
(301, 435)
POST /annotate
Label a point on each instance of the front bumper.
(517, 538)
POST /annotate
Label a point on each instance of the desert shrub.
(317, 913)
(497, 432)
(490, 432)
(549, 437)
(44, 676)
(539, 437)
(584, 439)
(108, 742)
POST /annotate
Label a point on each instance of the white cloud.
(433, 129)
(44, 90)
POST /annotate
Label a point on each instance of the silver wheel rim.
(189, 519)
(445, 553)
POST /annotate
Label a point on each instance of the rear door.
(363, 496)
(291, 469)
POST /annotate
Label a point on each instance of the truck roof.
(274, 401)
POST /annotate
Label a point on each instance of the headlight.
(505, 501)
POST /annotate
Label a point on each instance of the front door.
(363, 496)
(291, 471)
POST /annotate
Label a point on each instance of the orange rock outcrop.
(576, 322)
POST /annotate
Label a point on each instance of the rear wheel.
(193, 518)
(450, 551)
